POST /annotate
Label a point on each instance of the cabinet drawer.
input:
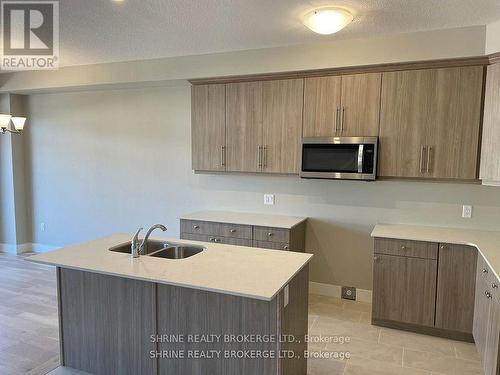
(194, 237)
(201, 227)
(271, 245)
(414, 249)
(236, 231)
(271, 234)
(488, 276)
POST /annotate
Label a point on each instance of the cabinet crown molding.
(374, 68)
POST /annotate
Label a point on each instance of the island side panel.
(294, 322)
(106, 323)
(183, 312)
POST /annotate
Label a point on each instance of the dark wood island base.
(117, 325)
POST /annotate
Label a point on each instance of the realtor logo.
(30, 35)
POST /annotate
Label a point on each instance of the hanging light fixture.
(17, 122)
(327, 20)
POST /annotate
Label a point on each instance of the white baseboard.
(330, 290)
(27, 247)
(8, 248)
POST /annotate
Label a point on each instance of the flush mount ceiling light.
(327, 20)
(18, 123)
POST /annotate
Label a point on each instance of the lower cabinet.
(456, 282)
(404, 289)
(245, 235)
(438, 289)
(425, 287)
(486, 329)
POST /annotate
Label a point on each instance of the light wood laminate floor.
(29, 336)
(29, 333)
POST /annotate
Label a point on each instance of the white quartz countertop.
(488, 243)
(245, 218)
(237, 270)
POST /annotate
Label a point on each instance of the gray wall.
(106, 161)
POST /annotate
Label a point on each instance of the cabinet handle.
(223, 155)
(265, 156)
(337, 117)
(211, 239)
(342, 121)
(217, 239)
(429, 152)
(442, 247)
(403, 247)
(485, 270)
(259, 156)
(494, 286)
(422, 151)
(285, 247)
(196, 227)
(487, 294)
(270, 234)
(233, 230)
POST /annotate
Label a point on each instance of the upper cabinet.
(430, 123)
(208, 127)
(428, 117)
(282, 125)
(243, 126)
(248, 127)
(322, 106)
(490, 151)
(342, 106)
(360, 105)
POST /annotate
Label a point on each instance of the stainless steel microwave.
(343, 158)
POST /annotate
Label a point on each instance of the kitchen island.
(226, 310)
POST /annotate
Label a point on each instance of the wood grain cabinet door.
(282, 125)
(208, 127)
(407, 106)
(360, 105)
(481, 313)
(243, 126)
(429, 123)
(404, 289)
(490, 150)
(491, 364)
(453, 130)
(322, 106)
(456, 285)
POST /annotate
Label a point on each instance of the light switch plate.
(466, 211)
(269, 199)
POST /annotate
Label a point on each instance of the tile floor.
(29, 335)
(378, 351)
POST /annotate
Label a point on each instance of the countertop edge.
(164, 282)
(193, 216)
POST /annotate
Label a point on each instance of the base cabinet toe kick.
(114, 325)
(439, 289)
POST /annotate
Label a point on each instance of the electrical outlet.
(42, 227)
(349, 292)
(466, 211)
(269, 199)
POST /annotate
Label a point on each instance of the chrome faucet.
(139, 249)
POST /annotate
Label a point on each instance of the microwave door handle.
(360, 158)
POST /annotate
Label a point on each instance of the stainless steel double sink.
(161, 249)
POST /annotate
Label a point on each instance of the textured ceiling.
(95, 31)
